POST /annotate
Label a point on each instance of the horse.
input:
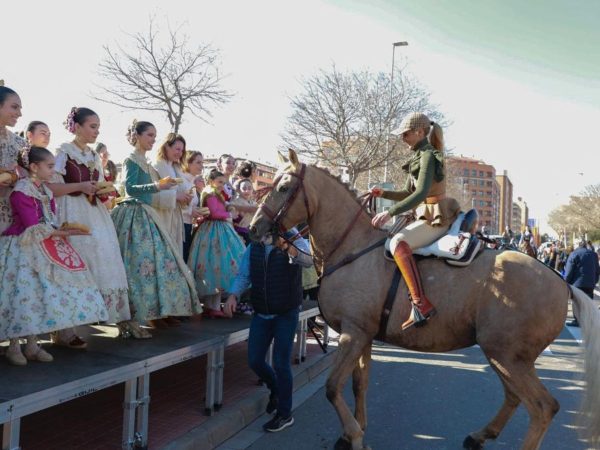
(510, 304)
(526, 248)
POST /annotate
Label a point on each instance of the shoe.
(573, 323)
(272, 405)
(278, 423)
(16, 358)
(38, 354)
(210, 313)
(132, 329)
(74, 341)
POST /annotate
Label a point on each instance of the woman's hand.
(5, 184)
(230, 306)
(183, 197)
(381, 219)
(286, 247)
(376, 191)
(88, 187)
(165, 184)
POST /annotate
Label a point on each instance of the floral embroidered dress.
(9, 149)
(44, 284)
(167, 207)
(160, 283)
(100, 250)
(216, 250)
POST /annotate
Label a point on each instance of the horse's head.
(286, 203)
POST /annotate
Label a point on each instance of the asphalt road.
(432, 401)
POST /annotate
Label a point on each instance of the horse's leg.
(351, 345)
(360, 382)
(475, 441)
(521, 381)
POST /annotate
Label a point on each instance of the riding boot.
(422, 309)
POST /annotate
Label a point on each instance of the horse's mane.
(262, 192)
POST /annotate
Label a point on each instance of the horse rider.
(424, 192)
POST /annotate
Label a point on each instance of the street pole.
(387, 144)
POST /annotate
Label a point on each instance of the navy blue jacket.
(582, 269)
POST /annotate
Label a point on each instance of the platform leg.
(10, 435)
(219, 378)
(211, 368)
(304, 339)
(143, 402)
(300, 337)
(129, 407)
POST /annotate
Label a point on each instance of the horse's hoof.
(471, 444)
(342, 444)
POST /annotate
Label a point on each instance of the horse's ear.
(282, 158)
(293, 157)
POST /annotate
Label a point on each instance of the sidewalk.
(94, 422)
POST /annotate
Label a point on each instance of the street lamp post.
(387, 144)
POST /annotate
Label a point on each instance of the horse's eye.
(282, 189)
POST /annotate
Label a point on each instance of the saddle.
(458, 247)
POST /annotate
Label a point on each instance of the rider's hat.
(413, 121)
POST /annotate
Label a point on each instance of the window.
(489, 193)
(490, 174)
(481, 182)
(488, 183)
(481, 203)
(465, 172)
(481, 193)
(481, 173)
(473, 173)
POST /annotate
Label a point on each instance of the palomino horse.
(508, 303)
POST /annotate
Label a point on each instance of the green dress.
(160, 283)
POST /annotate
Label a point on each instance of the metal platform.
(110, 360)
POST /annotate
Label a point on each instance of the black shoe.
(272, 405)
(573, 323)
(278, 423)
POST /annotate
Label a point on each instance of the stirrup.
(417, 318)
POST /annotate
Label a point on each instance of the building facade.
(520, 214)
(477, 188)
(505, 212)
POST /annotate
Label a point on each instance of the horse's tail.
(588, 317)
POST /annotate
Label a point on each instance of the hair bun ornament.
(1, 82)
(70, 122)
(132, 133)
(25, 155)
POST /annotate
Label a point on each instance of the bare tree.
(168, 77)
(343, 119)
(581, 214)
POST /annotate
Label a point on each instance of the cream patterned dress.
(168, 209)
(10, 145)
(100, 250)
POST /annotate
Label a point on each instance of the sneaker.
(278, 423)
(573, 323)
(272, 405)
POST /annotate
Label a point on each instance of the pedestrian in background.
(582, 271)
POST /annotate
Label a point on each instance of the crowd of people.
(163, 244)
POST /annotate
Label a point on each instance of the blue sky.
(518, 79)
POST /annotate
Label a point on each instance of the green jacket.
(425, 171)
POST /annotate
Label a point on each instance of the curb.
(233, 418)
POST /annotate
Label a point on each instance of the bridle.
(277, 217)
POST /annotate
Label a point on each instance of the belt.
(434, 199)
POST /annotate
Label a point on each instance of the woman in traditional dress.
(425, 192)
(10, 145)
(226, 165)
(169, 163)
(44, 283)
(77, 163)
(160, 283)
(216, 249)
(245, 207)
(194, 165)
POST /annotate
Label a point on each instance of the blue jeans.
(279, 379)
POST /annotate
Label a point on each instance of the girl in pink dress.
(216, 248)
(44, 284)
